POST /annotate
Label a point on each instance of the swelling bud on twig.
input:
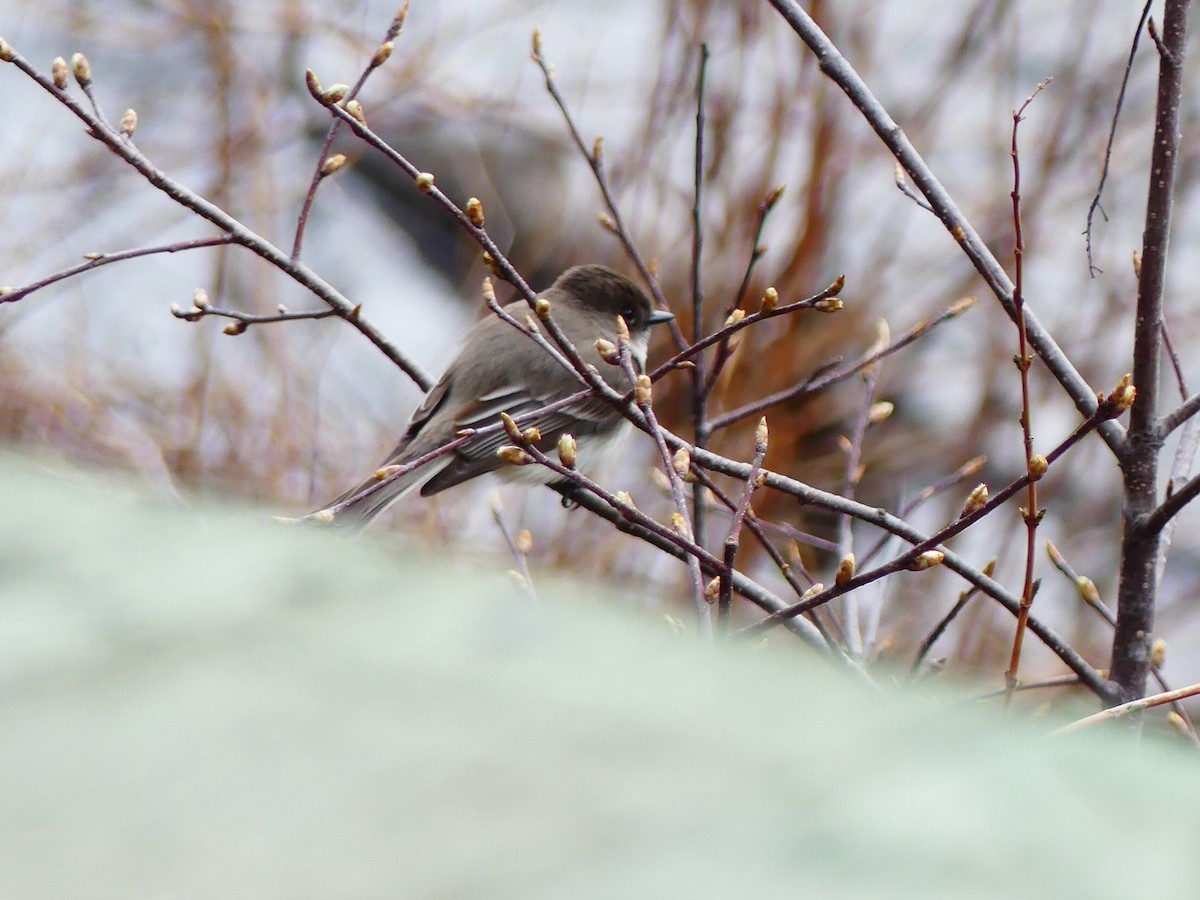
(608, 351)
(474, 212)
(598, 148)
(7, 54)
(770, 299)
(1087, 591)
(514, 456)
(200, 299)
(761, 434)
(1037, 466)
(812, 592)
(524, 542)
(976, 501)
(537, 44)
(773, 197)
(333, 164)
(682, 463)
(1123, 395)
(679, 524)
(235, 328)
(1158, 653)
(336, 94)
(927, 560)
(510, 426)
(622, 329)
(356, 112)
(382, 54)
(425, 182)
(736, 316)
(488, 290)
(314, 85)
(82, 69)
(880, 412)
(58, 72)
(712, 590)
(606, 222)
(129, 122)
(489, 263)
(623, 499)
(845, 569)
(542, 308)
(836, 288)
(643, 390)
(566, 450)
(828, 305)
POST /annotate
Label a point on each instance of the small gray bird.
(501, 370)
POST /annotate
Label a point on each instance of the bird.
(501, 370)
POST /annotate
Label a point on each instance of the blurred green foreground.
(201, 703)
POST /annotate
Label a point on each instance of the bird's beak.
(659, 316)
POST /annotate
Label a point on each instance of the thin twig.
(595, 161)
(756, 253)
(96, 260)
(378, 58)
(1035, 465)
(813, 385)
(944, 623)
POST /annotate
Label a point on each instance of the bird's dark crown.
(606, 290)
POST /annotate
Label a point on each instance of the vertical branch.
(725, 596)
(1136, 595)
(678, 467)
(699, 394)
(851, 624)
(1035, 465)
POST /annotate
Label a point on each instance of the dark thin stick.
(938, 630)
(699, 394)
(1112, 137)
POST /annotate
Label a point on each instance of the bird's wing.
(479, 456)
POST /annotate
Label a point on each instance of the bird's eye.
(629, 315)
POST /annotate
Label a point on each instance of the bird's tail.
(359, 506)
